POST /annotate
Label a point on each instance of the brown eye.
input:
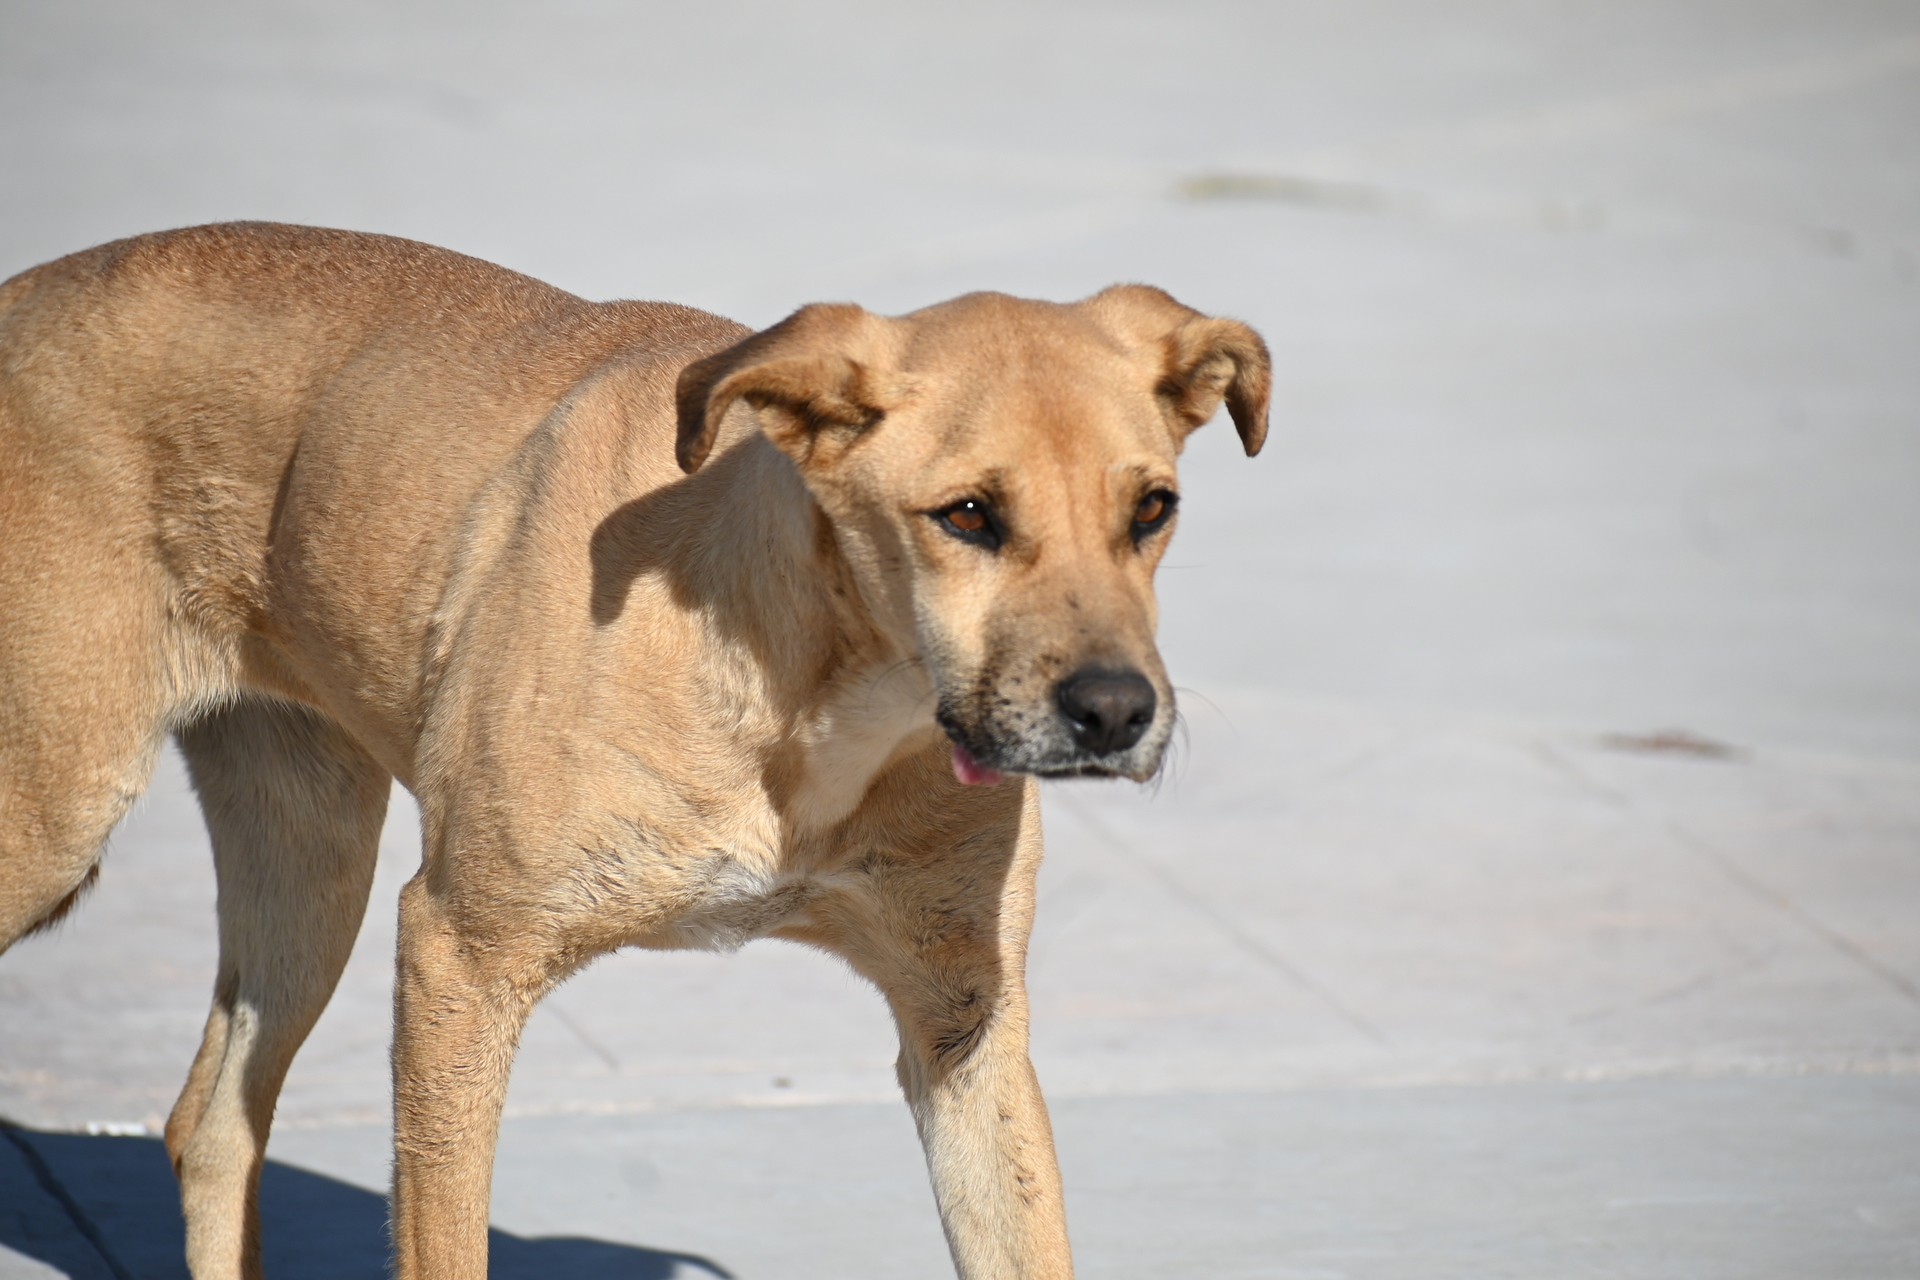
(971, 520)
(968, 517)
(1153, 512)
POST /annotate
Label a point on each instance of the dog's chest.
(733, 903)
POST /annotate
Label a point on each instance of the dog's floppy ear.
(813, 379)
(1204, 359)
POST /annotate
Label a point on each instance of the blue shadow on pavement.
(122, 1206)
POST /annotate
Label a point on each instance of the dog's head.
(1000, 476)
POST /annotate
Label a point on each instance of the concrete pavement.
(1538, 889)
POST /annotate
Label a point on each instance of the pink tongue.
(971, 772)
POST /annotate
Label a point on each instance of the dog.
(681, 635)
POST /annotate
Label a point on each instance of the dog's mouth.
(971, 773)
(1085, 771)
(977, 764)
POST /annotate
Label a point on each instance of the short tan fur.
(681, 635)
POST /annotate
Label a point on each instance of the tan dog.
(335, 508)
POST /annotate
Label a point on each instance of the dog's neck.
(850, 698)
(870, 717)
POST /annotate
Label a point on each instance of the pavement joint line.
(1233, 931)
(1736, 874)
(1805, 919)
(567, 1020)
(1697, 982)
(44, 1175)
(1627, 1072)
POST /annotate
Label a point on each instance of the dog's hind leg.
(294, 807)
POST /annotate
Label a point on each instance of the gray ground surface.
(1598, 414)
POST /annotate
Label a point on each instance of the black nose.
(1109, 710)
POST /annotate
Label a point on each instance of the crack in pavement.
(1226, 926)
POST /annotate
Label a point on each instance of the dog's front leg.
(946, 943)
(466, 981)
(989, 1144)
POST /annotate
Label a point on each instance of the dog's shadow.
(109, 1208)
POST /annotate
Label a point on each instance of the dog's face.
(1000, 475)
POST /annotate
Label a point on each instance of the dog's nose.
(1109, 710)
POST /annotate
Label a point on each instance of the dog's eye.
(971, 520)
(1154, 510)
(968, 517)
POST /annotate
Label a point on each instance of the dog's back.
(165, 402)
